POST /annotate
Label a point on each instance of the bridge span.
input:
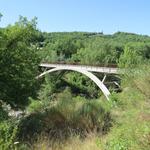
(107, 70)
(84, 69)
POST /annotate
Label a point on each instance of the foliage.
(3, 113)
(97, 52)
(8, 133)
(132, 128)
(134, 54)
(20, 60)
(82, 85)
(61, 47)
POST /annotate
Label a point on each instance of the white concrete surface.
(108, 70)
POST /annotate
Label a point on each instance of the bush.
(67, 116)
(8, 134)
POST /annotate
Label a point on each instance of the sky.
(108, 16)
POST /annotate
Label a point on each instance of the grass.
(131, 129)
(73, 143)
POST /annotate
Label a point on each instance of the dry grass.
(92, 142)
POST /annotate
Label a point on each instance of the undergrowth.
(131, 113)
(73, 123)
(67, 116)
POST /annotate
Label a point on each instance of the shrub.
(8, 134)
(67, 116)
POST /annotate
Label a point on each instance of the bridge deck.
(108, 70)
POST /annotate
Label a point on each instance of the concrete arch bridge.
(84, 69)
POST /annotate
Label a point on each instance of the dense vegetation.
(66, 108)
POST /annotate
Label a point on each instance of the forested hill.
(92, 48)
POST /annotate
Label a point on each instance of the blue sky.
(108, 16)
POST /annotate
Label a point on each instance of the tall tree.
(18, 62)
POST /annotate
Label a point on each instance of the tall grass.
(131, 113)
(73, 143)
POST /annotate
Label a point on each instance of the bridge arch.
(95, 79)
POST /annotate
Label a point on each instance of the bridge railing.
(78, 63)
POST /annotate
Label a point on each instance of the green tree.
(97, 51)
(18, 62)
(131, 56)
